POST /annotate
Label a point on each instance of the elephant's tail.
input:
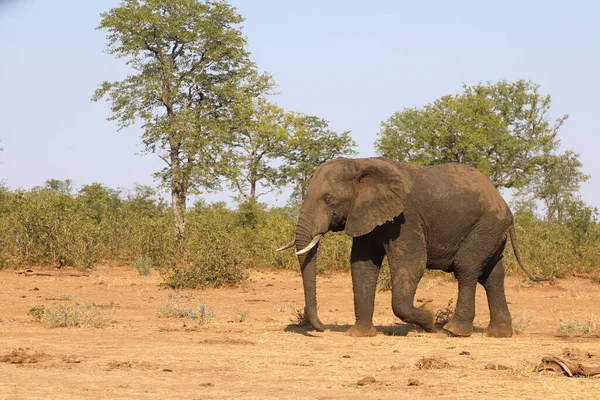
(513, 241)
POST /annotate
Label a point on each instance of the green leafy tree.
(99, 201)
(190, 68)
(63, 187)
(502, 129)
(259, 140)
(144, 201)
(310, 144)
(556, 183)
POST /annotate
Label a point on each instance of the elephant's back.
(465, 187)
(450, 200)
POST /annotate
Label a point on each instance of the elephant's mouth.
(337, 225)
(338, 228)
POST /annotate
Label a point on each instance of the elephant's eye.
(328, 200)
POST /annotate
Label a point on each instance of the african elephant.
(447, 217)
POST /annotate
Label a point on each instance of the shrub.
(213, 255)
(53, 227)
(197, 315)
(547, 249)
(142, 264)
(72, 314)
(44, 227)
(571, 326)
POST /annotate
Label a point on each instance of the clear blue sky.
(353, 63)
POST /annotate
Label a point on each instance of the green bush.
(53, 227)
(44, 227)
(213, 254)
(551, 249)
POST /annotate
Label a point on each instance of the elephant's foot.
(458, 328)
(361, 330)
(424, 316)
(499, 329)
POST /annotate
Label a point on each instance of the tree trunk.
(253, 187)
(178, 203)
(178, 191)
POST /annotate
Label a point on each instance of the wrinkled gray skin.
(447, 217)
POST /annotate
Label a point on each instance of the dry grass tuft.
(191, 316)
(72, 314)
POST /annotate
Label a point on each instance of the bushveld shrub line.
(44, 227)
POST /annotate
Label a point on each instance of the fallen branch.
(569, 368)
(30, 272)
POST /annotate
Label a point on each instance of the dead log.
(30, 272)
(567, 367)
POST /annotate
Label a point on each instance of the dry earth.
(253, 349)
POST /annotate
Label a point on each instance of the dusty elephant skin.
(447, 217)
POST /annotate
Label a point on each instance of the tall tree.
(502, 129)
(260, 138)
(557, 183)
(190, 68)
(310, 144)
(63, 187)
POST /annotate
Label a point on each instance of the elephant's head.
(354, 195)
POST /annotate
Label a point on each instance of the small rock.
(36, 289)
(414, 382)
(496, 367)
(207, 384)
(396, 351)
(464, 353)
(347, 356)
(574, 353)
(435, 362)
(367, 380)
(167, 370)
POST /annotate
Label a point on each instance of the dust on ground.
(253, 348)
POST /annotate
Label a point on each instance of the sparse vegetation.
(142, 264)
(299, 318)
(285, 306)
(240, 316)
(178, 306)
(577, 326)
(521, 323)
(72, 314)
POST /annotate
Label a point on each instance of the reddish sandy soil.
(252, 349)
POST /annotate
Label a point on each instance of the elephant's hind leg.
(470, 260)
(462, 322)
(492, 280)
(366, 259)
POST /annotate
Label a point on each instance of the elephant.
(446, 217)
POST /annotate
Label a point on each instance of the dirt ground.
(253, 348)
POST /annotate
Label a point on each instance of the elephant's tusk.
(287, 246)
(310, 245)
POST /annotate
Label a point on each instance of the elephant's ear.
(381, 191)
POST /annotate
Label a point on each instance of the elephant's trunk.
(308, 266)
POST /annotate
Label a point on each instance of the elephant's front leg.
(407, 266)
(405, 279)
(366, 261)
